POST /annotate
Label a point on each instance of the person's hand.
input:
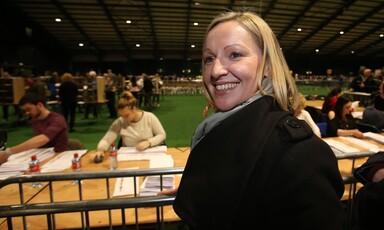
(3, 157)
(356, 133)
(143, 145)
(378, 176)
(96, 154)
(169, 192)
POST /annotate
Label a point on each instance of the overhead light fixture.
(299, 29)
(81, 44)
(341, 32)
(57, 20)
(195, 23)
(137, 45)
(128, 21)
(352, 52)
(381, 35)
(196, 3)
(192, 46)
(317, 50)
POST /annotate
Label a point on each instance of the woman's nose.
(218, 68)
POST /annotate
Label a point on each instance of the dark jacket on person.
(369, 200)
(68, 91)
(261, 168)
(336, 123)
(374, 117)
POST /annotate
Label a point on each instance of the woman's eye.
(208, 60)
(234, 55)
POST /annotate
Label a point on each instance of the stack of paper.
(62, 161)
(151, 185)
(340, 147)
(375, 136)
(18, 163)
(158, 158)
(156, 149)
(363, 144)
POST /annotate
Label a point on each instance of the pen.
(121, 184)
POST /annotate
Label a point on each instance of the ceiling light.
(352, 52)
(81, 44)
(137, 45)
(196, 3)
(195, 23)
(341, 32)
(192, 46)
(57, 20)
(128, 21)
(381, 35)
(299, 29)
(317, 50)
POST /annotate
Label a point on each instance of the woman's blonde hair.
(66, 77)
(273, 60)
(298, 103)
(126, 100)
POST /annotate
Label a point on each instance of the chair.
(322, 117)
(323, 128)
(363, 127)
(75, 144)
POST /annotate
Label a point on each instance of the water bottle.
(34, 168)
(112, 157)
(76, 165)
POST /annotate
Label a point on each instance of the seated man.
(374, 114)
(369, 199)
(49, 128)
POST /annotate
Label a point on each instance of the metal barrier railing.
(85, 206)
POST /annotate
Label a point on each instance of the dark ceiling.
(165, 29)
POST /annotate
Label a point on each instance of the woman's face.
(347, 108)
(231, 61)
(127, 113)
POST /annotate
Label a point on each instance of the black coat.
(68, 92)
(251, 173)
(369, 200)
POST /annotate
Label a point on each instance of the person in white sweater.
(302, 114)
(137, 128)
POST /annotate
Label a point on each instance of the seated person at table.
(330, 100)
(369, 199)
(365, 82)
(341, 122)
(302, 114)
(49, 128)
(137, 128)
(374, 114)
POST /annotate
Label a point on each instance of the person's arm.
(350, 132)
(109, 137)
(308, 119)
(169, 192)
(34, 142)
(158, 131)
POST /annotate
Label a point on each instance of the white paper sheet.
(125, 186)
(156, 149)
(18, 163)
(62, 161)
